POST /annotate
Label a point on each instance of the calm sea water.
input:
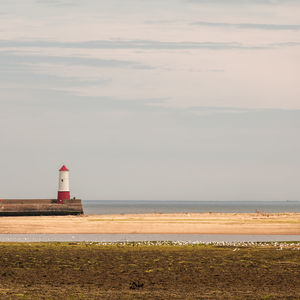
(94, 207)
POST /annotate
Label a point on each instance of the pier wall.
(39, 207)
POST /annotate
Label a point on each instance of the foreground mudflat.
(201, 223)
(93, 271)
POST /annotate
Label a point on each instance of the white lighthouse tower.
(63, 185)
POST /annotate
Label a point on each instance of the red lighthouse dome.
(64, 168)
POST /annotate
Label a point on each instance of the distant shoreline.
(157, 223)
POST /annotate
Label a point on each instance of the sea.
(96, 207)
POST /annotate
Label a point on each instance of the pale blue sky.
(154, 100)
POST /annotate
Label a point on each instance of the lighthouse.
(63, 185)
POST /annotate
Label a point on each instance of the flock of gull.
(234, 245)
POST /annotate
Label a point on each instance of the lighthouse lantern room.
(63, 185)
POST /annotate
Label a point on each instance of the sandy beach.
(184, 223)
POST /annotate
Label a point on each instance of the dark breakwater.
(39, 207)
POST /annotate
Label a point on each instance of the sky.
(150, 100)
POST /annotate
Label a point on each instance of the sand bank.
(184, 223)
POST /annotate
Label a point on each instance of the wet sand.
(156, 223)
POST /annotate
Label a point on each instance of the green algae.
(96, 271)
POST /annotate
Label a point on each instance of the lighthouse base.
(62, 196)
(40, 207)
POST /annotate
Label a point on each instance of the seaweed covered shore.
(149, 271)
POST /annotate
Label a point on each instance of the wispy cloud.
(29, 77)
(58, 2)
(58, 100)
(129, 44)
(239, 2)
(19, 58)
(286, 44)
(132, 44)
(249, 25)
(19, 71)
(121, 44)
(206, 110)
